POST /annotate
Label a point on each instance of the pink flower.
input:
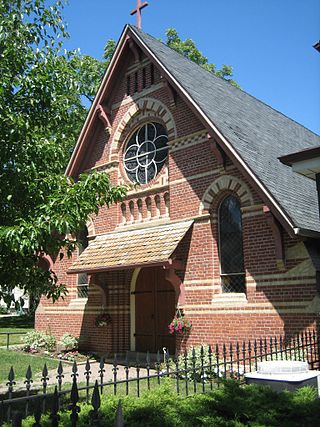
(179, 325)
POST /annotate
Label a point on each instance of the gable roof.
(258, 133)
(252, 133)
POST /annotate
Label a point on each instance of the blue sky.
(268, 42)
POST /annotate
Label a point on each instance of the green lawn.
(21, 322)
(20, 362)
(15, 324)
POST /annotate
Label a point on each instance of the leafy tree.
(90, 70)
(42, 110)
(189, 49)
(186, 48)
(41, 114)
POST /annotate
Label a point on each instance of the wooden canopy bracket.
(217, 151)
(277, 235)
(45, 262)
(134, 49)
(175, 280)
(97, 282)
(173, 263)
(313, 249)
(103, 116)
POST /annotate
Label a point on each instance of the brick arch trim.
(144, 108)
(226, 182)
(45, 262)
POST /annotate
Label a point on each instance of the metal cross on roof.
(137, 10)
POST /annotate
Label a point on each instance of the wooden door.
(155, 308)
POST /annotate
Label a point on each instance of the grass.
(20, 362)
(15, 324)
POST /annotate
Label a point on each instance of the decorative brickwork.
(279, 299)
(145, 109)
(145, 209)
(226, 183)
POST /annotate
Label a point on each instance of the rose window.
(146, 153)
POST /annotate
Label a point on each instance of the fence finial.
(119, 416)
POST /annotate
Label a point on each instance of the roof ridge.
(224, 80)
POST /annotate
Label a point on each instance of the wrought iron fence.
(198, 370)
(8, 334)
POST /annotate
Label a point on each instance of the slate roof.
(257, 132)
(131, 248)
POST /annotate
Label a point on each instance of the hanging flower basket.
(102, 320)
(180, 324)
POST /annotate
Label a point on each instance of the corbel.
(98, 283)
(134, 49)
(174, 263)
(103, 116)
(217, 151)
(277, 235)
(172, 93)
(170, 266)
(313, 249)
(45, 262)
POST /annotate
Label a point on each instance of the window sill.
(78, 301)
(230, 299)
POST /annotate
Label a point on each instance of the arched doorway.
(154, 310)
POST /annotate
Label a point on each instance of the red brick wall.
(277, 298)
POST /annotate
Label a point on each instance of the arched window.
(82, 283)
(231, 245)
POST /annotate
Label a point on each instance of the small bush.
(69, 342)
(231, 405)
(3, 309)
(36, 340)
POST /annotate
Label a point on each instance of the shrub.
(36, 340)
(231, 405)
(69, 342)
(4, 309)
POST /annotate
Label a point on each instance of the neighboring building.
(306, 163)
(18, 293)
(218, 227)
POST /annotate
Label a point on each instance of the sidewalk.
(81, 378)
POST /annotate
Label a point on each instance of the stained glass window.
(146, 153)
(82, 283)
(231, 246)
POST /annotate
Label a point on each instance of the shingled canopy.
(251, 133)
(133, 248)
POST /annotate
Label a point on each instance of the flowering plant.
(69, 355)
(180, 325)
(103, 319)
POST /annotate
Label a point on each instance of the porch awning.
(125, 249)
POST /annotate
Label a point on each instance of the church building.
(214, 226)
